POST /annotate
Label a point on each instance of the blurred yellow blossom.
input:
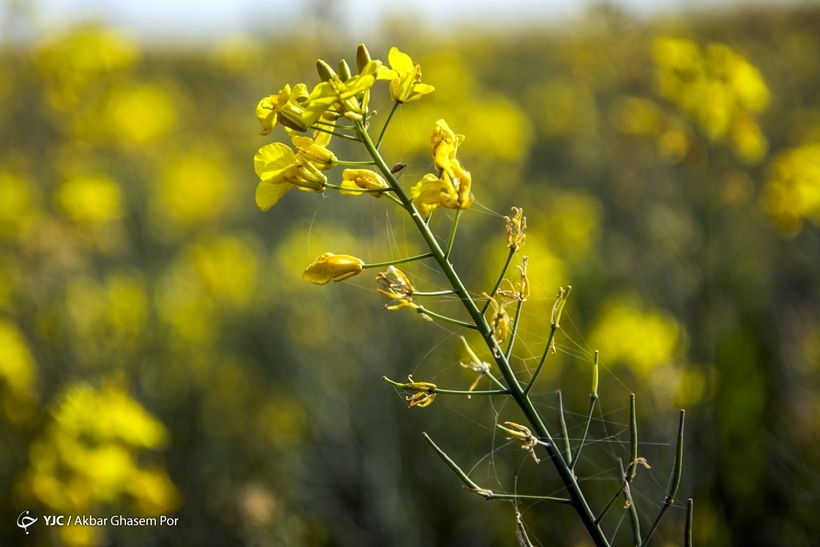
(90, 199)
(71, 61)
(17, 204)
(468, 106)
(227, 269)
(718, 88)
(628, 331)
(140, 115)
(18, 369)
(792, 191)
(194, 186)
(87, 457)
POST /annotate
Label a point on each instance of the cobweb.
(598, 469)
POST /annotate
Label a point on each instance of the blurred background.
(160, 355)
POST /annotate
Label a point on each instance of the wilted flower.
(516, 227)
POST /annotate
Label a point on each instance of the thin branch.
(452, 237)
(386, 123)
(500, 279)
(435, 389)
(397, 261)
(674, 480)
(563, 422)
(687, 533)
(425, 311)
(483, 492)
(434, 293)
(514, 329)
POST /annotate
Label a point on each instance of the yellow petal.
(399, 61)
(272, 159)
(268, 193)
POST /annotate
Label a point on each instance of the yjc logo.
(24, 521)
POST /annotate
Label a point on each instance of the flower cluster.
(340, 94)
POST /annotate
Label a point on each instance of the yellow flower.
(281, 170)
(363, 178)
(293, 108)
(405, 78)
(444, 144)
(342, 94)
(330, 266)
(314, 150)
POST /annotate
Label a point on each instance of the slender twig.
(386, 123)
(434, 293)
(614, 497)
(334, 124)
(354, 163)
(340, 135)
(633, 440)
(476, 489)
(630, 506)
(574, 461)
(499, 281)
(687, 533)
(425, 311)
(452, 237)
(514, 331)
(578, 500)
(436, 389)
(563, 423)
(674, 479)
(397, 261)
(557, 309)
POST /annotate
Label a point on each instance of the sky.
(207, 20)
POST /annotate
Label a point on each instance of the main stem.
(517, 392)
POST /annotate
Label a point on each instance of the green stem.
(425, 311)
(452, 237)
(633, 511)
(514, 332)
(334, 124)
(553, 330)
(574, 461)
(340, 135)
(434, 293)
(612, 500)
(353, 163)
(397, 261)
(386, 123)
(500, 279)
(674, 480)
(687, 533)
(563, 423)
(409, 387)
(633, 440)
(566, 475)
(473, 487)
